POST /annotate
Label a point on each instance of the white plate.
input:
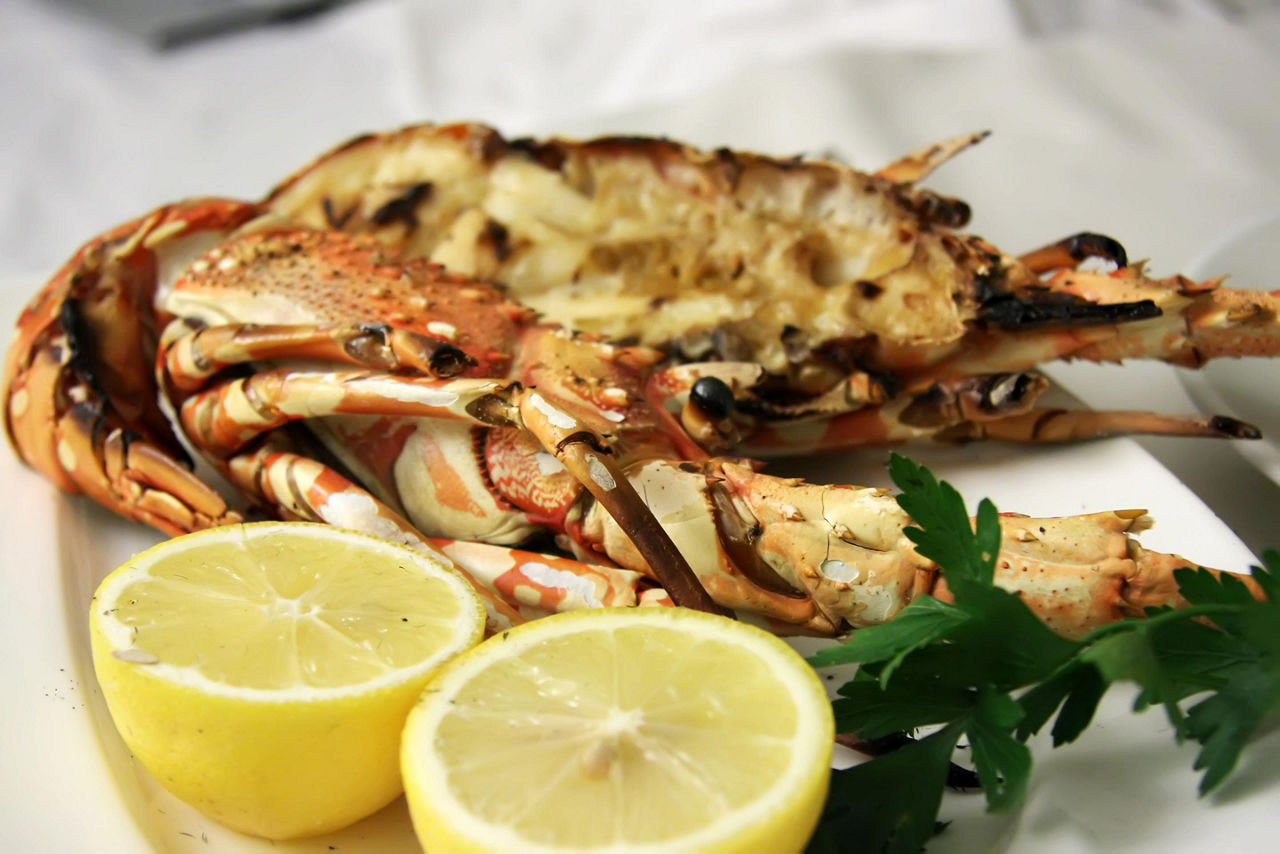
(1249, 389)
(70, 785)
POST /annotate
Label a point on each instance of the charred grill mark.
(958, 250)
(548, 155)
(493, 146)
(498, 238)
(990, 284)
(1060, 310)
(334, 219)
(730, 167)
(932, 208)
(654, 147)
(403, 208)
(869, 290)
(795, 343)
(952, 213)
(850, 355)
(814, 371)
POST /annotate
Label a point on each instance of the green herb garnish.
(986, 669)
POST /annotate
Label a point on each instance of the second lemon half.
(628, 729)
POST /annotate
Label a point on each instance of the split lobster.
(337, 352)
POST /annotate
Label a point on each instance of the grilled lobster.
(314, 350)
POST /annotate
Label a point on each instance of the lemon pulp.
(621, 729)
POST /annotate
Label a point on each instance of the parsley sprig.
(986, 669)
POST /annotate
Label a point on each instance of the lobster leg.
(1062, 425)
(918, 165)
(516, 585)
(585, 455)
(1068, 253)
(674, 388)
(886, 424)
(847, 549)
(80, 396)
(193, 356)
(62, 425)
(228, 415)
(998, 406)
(133, 477)
(717, 403)
(942, 407)
(1174, 320)
(1203, 322)
(548, 582)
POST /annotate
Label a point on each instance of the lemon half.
(651, 729)
(263, 672)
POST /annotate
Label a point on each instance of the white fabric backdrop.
(1152, 121)
(95, 127)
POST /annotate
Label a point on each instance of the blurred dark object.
(169, 24)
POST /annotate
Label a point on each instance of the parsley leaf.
(871, 711)
(944, 534)
(866, 810)
(1002, 761)
(985, 668)
(923, 621)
